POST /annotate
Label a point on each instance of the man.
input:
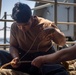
(32, 36)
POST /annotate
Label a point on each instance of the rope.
(7, 64)
(26, 52)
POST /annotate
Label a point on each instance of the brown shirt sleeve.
(56, 35)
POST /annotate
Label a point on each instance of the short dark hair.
(21, 12)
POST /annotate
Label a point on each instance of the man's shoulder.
(14, 25)
(43, 20)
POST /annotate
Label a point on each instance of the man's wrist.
(16, 57)
(43, 59)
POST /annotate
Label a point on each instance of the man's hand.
(14, 62)
(50, 30)
(38, 61)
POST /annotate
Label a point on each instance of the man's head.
(21, 13)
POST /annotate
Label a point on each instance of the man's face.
(25, 26)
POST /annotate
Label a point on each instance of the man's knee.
(4, 57)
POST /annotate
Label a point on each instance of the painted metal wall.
(64, 14)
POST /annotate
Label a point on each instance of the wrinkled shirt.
(35, 39)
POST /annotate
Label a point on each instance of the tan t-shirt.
(36, 39)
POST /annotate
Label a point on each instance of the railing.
(39, 7)
(69, 43)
